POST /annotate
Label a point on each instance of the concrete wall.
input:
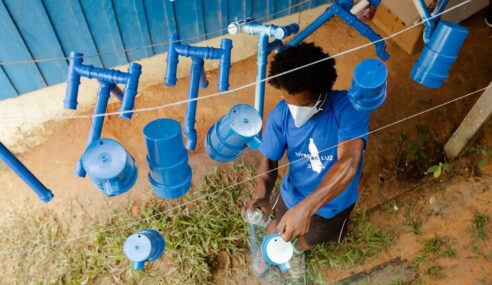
(26, 121)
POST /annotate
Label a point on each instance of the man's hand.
(262, 203)
(294, 223)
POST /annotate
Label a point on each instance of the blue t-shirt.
(312, 149)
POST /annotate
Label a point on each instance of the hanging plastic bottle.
(144, 246)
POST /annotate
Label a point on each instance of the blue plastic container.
(110, 167)
(240, 128)
(144, 246)
(276, 251)
(170, 174)
(368, 89)
(432, 68)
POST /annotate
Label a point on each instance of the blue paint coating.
(272, 241)
(368, 89)
(144, 246)
(43, 193)
(249, 26)
(110, 167)
(108, 78)
(341, 8)
(158, 26)
(170, 174)
(430, 24)
(432, 68)
(197, 77)
(7, 90)
(227, 139)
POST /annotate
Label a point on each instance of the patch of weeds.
(195, 234)
(417, 149)
(485, 153)
(391, 206)
(434, 249)
(399, 166)
(414, 221)
(439, 247)
(437, 169)
(479, 226)
(488, 255)
(362, 243)
(417, 262)
(436, 272)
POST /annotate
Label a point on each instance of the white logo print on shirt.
(316, 164)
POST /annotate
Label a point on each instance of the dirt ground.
(387, 174)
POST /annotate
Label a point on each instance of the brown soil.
(457, 193)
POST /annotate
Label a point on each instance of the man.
(325, 138)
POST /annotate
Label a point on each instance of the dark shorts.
(321, 229)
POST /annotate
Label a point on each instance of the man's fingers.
(288, 235)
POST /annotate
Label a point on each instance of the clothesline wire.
(150, 45)
(238, 183)
(258, 175)
(43, 118)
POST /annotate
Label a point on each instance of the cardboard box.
(392, 16)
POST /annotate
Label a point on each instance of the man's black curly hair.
(317, 78)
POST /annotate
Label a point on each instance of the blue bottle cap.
(138, 247)
(245, 120)
(105, 159)
(162, 129)
(276, 251)
(370, 73)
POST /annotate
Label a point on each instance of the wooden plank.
(224, 16)
(186, 21)
(213, 18)
(474, 120)
(67, 17)
(200, 21)
(104, 28)
(281, 8)
(35, 27)
(170, 16)
(158, 25)
(6, 88)
(24, 77)
(260, 10)
(247, 8)
(235, 10)
(270, 10)
(130, 15)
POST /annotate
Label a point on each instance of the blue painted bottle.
(144, 246)
(170, 174)
(276, 251)
(226, 140)
(432, 68)
(110, 167)
(368, 89)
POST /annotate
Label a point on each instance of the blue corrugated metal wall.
(45, 29)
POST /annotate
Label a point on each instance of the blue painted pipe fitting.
(197, 76)
(341, 8)
(170, 174)
(43, 193)
(226, 140)
(144, 246)
(249, 26)
(432, 68)
(276, 251)
(110, 167)
(368, 89)
(76, 69)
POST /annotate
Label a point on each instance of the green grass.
(413, 221)
(479, 226)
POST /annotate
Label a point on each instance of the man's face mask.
(302, 114)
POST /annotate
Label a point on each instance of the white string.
(43, 118)
(145, 46)
(240, 182)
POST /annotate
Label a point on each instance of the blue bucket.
(432, 68)
(144, 246)
(170, 174)
(227, 139)
(368, 89)
(276, 251)
(110, 167)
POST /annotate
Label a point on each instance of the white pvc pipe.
(359, 6)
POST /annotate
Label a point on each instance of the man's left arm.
(296, 221)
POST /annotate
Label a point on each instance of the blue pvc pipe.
(197, 75)
(43, 193)
(76, 69)
(97, 121)
(341, 8)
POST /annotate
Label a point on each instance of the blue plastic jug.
(227, 139)
(144, 246)
(432, 68)
(170, 174)
(276, 251)
(110, 167)
(368, 89)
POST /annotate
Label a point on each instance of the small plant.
(436, 272)
(413, 221)
(480, 225)
(417, 150)
(485, 154)
(398, 148)
(437, 169)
